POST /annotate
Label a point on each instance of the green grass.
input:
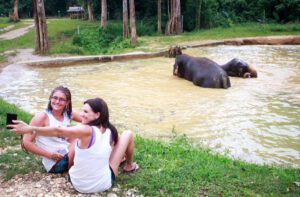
(236, 31)
(2, 58)
(5, 22)
(176, 168)
(14, 161)
(170, 168)
(25, 41)
(61, 33)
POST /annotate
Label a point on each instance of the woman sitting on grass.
(57, 152)
(98, 151)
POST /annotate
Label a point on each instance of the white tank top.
(90, 172)
(52, 144)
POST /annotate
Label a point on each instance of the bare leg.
(125, 146)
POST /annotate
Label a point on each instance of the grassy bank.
(14, 161)
(172, 168)
(61, 35)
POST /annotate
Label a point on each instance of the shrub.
(98, 40)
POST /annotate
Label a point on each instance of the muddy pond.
(256, 120)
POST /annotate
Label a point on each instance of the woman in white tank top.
(53, 149)
(95, 162)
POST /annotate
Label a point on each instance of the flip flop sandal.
(123, 163)
(136, 167)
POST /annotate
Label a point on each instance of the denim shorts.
(61, 166)
(113, 176)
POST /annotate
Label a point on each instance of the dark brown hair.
(99, 105)
(67, 92)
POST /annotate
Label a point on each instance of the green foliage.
(101, 41)
(146, 27)
(118, 44)
(214, 13)
(66, 48)
(5, 7)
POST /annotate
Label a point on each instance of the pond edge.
(65, 61)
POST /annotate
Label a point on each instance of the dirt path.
(16, 33)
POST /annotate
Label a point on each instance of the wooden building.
(76, 12)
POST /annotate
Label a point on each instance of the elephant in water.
(201, 71)
(239, 68)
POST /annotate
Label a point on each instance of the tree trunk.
(174, 23)
(168, 9)
(178, 27)
(198, 15)
(159, 16)
(170, 23)
(125, 19)
(15, 16)
(91, 17)
(41, 34)
(132, 23)
(103, 13)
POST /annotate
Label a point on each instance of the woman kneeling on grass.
(98, 151)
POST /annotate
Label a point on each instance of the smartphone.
(63, 151)
(10, 117)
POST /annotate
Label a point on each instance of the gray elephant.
(201, 71)
(239, 68)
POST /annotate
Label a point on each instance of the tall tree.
(103, 13)
(91, 16)
(174, 24)
(159, 16)
(125, 19)
(132, 23)
(198, 15)
(15, 16)
(178, 25)
(41, 34)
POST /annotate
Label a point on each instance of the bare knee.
(127, 133)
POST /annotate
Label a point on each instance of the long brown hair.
(99, 105)
(67, 92)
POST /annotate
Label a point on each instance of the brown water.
(257, 120)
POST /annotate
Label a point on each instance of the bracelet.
(34, 130)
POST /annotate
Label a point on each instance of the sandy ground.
(44, 184)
